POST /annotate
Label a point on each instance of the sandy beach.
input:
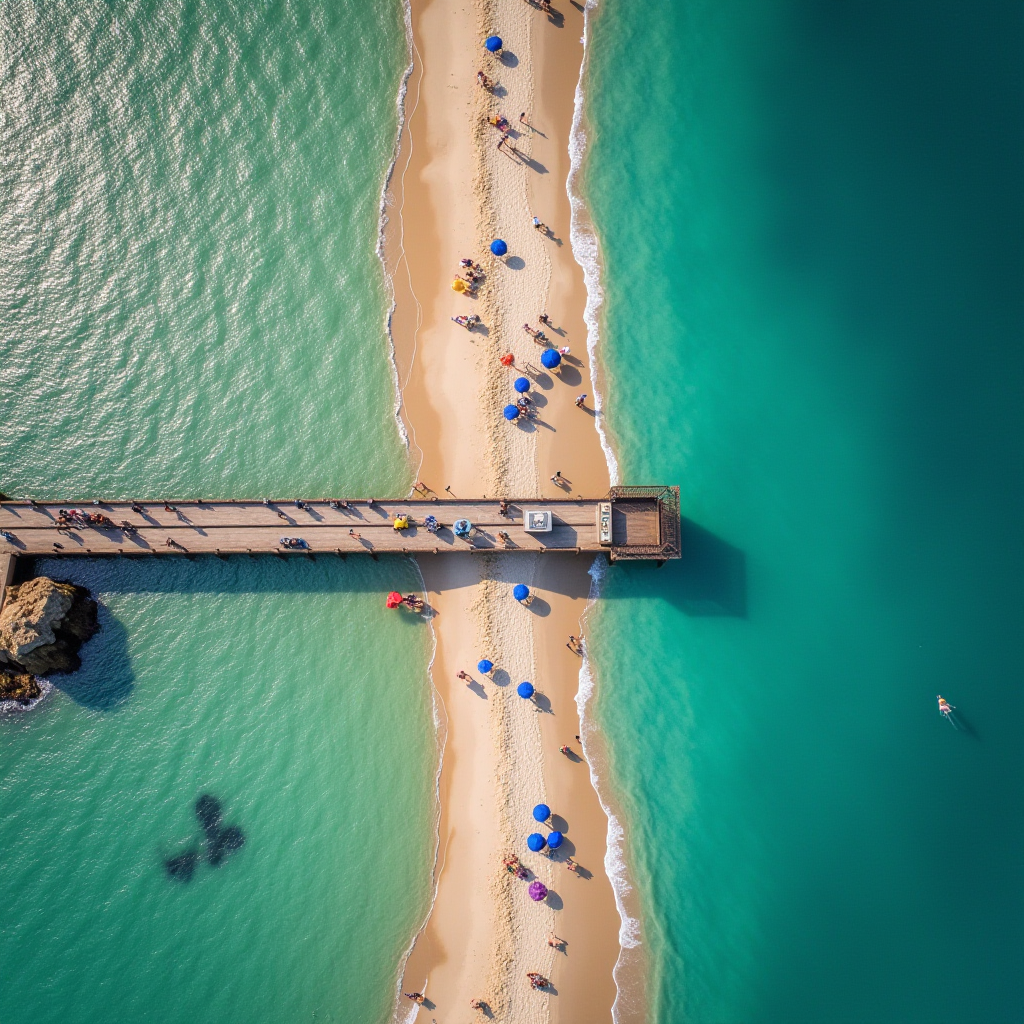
(452, 191)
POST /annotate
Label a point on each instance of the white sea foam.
(13, 706)
(586, 251)
(382, 221)
(614, 858)
(585, 248)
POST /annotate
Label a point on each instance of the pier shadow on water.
(709, 580)
(711, 577)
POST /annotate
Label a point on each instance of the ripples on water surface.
(188, 201)
(814, 323)
(190, 304)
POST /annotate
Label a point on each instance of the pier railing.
(667, 543)
(629, 523)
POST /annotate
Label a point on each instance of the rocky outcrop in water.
(20, 687)
(43, 624)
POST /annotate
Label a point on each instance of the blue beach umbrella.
(542, 812)
(498, 247)
(525, 690)
(550, 358)
(485, 666)
(521, 384)
(535, 841)
(555, 840)
(511, 412)
(493, 43)
(520, 592)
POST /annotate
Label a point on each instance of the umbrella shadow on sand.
(553, 900)
(542, 702)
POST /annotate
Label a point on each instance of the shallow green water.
(191, 305)
(810, 220)
(290, 693)
(189, 297)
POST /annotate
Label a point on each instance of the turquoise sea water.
(810, 216)
(191, 306)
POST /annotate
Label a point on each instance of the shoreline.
(585, 248)
(441, 202)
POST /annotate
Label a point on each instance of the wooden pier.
(629, 523)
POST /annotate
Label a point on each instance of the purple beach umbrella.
(537, 891)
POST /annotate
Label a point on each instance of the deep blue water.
(811, 222)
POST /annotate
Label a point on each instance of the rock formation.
(42, 626)
(19, 686)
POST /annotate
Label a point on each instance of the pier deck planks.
(241, 527)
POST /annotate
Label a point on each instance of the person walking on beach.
(581, 400)
(463, 675)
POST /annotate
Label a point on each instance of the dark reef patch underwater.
(219, 841)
